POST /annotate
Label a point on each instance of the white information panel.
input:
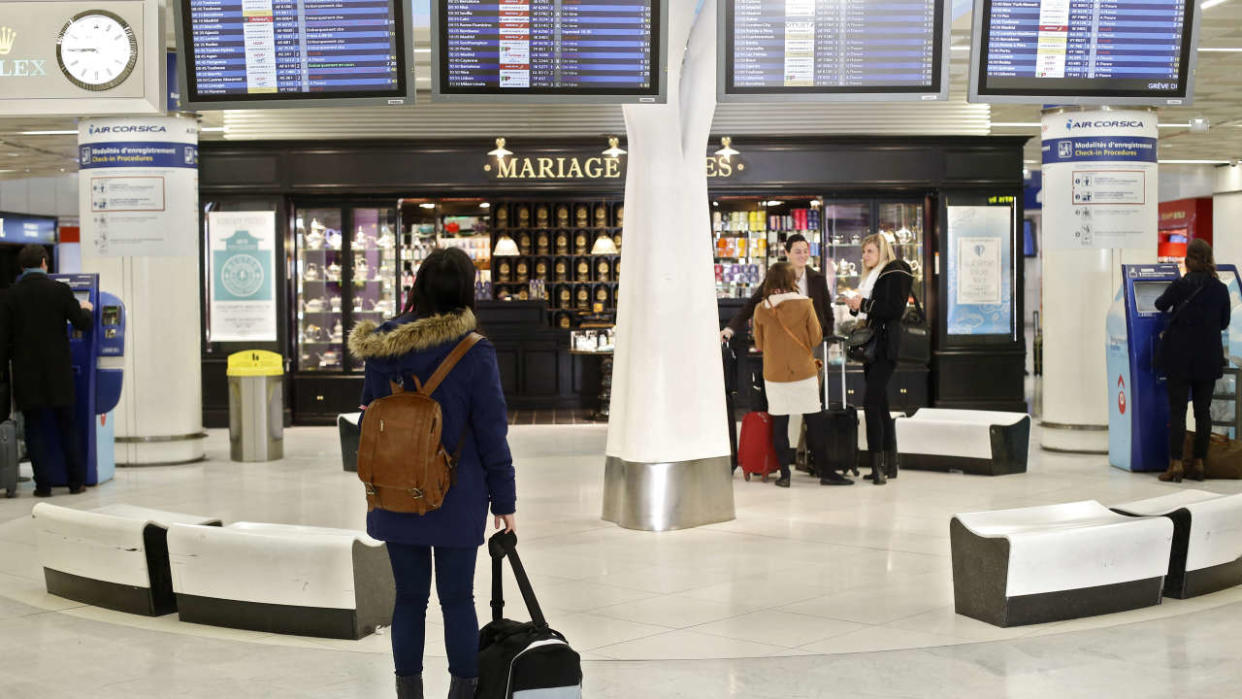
(1100, 185)
(242, 267)
(138, 186)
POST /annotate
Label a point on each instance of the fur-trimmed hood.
(369, 341)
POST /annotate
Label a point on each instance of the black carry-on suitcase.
(841, 421)
(522, 659)
(729, 359)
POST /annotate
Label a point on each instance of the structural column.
(1099, 212)
(668, 449)
(138, 203)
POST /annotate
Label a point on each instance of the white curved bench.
(1207, 539)
(114, 557)
(282, 578)
(1039, 564)
(981, 442)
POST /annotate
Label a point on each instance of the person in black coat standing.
(809, 283)
(33, 329)
(881, 302)
(1192, 355)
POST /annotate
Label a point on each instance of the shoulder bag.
(819, 364)
(1162, 338)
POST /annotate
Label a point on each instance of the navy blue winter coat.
(1192, 349)
(470, 398)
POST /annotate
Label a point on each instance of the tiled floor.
(725, 610)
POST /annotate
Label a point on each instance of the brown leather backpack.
(401, 458)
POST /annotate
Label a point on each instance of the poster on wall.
(138, 186)
(241, 271)
(980, 270)
(1100, 189)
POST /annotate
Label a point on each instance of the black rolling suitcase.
(9, 455)
(840, 421)
(522, 659)
(729, 359)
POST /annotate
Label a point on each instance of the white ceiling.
(1218, 97)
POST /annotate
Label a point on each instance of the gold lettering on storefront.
(573, 168)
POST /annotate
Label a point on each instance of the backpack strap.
(447, 365)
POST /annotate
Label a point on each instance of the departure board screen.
(272, 51)
(609, 50)
(1104, 49)
(833, 48)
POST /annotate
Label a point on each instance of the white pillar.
(668, 448)
(138, 203)
(1100, 211)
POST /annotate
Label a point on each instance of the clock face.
(97, 50)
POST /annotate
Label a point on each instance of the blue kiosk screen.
(549, 47)
(1085, 47)
(832, 46)
(293, 49)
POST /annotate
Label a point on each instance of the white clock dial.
(97, 50)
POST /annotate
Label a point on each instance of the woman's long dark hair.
(444, 284)
(780, 277)
(1199, 257)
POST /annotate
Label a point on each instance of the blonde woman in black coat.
(881, 302)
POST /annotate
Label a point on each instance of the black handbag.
(522, 658)
(916, 340)
(861, 345)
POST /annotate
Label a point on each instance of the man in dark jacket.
(33, 327)
(810, 283)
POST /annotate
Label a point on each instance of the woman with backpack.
(881, 302)
(1192, 356)
(787, 331)
(408, 350)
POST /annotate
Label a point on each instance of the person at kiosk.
(33, 329)
(1192, 355)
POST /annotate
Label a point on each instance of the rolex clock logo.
(21, 67)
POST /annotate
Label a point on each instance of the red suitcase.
(755, 453)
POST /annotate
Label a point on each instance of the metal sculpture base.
(664, 496)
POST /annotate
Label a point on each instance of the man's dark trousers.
(51, 433)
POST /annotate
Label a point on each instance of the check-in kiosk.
(98, 370)
(1138, 413)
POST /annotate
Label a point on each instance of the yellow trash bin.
(256, 405)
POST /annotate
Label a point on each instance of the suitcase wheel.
(765, 478)
(746, 475)
(10, 493)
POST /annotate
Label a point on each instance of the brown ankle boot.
(1174, 473)
(1196, 471)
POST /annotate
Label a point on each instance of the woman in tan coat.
(787, 331)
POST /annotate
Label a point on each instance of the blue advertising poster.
(242, 262)
(980, 270)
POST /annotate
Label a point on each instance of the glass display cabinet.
(320, 289)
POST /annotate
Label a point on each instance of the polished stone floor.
(810, 592)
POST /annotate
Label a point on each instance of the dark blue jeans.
(411, 568)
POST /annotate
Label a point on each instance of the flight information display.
(570, 48)
(833, 48)
(288, 50)
(1084, 48)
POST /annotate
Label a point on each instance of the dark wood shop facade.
(354, 218)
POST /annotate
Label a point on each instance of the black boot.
(877, 475)
(409, 687)
(462, 689)
(891, 464)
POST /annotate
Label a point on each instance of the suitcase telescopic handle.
(503, 545)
